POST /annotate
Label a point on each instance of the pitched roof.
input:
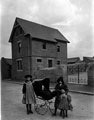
(40, 31)
(7, 60)
(88, 59)
(73, 60)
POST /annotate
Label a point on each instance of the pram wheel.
(51, 106)
(41, 107)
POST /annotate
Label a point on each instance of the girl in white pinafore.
(29, 93)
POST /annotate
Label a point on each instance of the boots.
(61, 113)
(28, 107)
(65, 113)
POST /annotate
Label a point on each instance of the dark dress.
(58, 88)
(63, 105)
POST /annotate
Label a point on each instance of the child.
(29, 93)
(69, 102)
(59, 86)
(63, 104)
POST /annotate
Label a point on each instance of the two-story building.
(35, 46)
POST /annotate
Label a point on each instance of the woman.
(29, 93)
(59, 86)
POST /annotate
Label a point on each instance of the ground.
(13, 109)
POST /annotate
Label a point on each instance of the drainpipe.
(30, 52)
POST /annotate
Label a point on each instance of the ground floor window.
(50, 63)
(19, 64)
(58, 62)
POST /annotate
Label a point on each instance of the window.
(19, 64)
(39, 60)
(58, 48)
(19, 46)
(44, 45)
(58, 62)
(50, 63)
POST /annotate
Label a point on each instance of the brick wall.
(30, 51)
(24, 54)
(49, 53)
(37, 49)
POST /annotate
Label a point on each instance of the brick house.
(35, 46)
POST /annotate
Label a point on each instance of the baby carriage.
(44, 96)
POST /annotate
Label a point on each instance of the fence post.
(78, 73)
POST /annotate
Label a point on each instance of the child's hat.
(26, 76)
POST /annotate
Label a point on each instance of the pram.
(41, 88)
(44, 96)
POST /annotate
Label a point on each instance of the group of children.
(64, 104)
(62, 99)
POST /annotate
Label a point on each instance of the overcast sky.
(73, 18)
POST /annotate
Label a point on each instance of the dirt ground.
(13, 109)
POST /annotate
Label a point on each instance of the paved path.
(13, 109)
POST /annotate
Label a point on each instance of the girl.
(63, 105)
(28, 91)
(59, 86)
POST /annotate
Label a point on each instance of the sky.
(73, 18)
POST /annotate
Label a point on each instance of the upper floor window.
(44, 45)
(19, 46)
(58, 62)
(58, 48)
(19, 64)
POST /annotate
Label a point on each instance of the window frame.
(19, 65)
(58, 48)
(48, 62)
(44, 45)
(18, 45)
(38, 60)
(58, 61)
